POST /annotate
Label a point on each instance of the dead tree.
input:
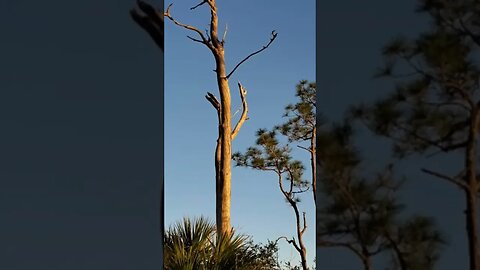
(226, 134)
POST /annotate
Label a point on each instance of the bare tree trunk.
(300, 247)
(302, 250)
(223, 151)
(224, 197)
(471, 193)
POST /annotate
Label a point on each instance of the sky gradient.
(258, 207)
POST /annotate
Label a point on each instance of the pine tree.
(269, 155)
(360, 212)
(301, 125)
(435, 105)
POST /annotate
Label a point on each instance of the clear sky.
(351, 36)
(258, 207)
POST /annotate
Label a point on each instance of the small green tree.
(436, 105)
(300, 125)
(270, 155)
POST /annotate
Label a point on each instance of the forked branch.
(290, 241)
(202, 39)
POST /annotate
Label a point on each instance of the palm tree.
(194, 245)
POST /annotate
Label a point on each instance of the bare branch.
(290, 241)
(341, 244)
(243, 117)
(203, 2)
(304, 224)
(224, 34)
(272, 38)
(204, 40)
(213, 100)
(453, 180)
(305, 148)
(301, 190)
(196, 40)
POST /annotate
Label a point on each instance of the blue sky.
(258, 207)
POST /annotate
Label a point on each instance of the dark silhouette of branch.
(151, 21)
(274, 36)
(453, 180)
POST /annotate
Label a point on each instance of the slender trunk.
(313, 164)
(472, 230)
(225, 148)
(471, 194)
(399, 254)
(367, 263)
(302, 250)
(224, 171)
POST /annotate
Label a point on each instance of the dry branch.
(203, 40)
(243, 117)
(272, 38)
(453, 180)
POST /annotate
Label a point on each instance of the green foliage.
(270, 155)
(194, 245)
(354, 210)
(361, 212)
(417, 242)
(435, 84)
(300, 122)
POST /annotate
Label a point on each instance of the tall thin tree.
(270, 155)
(226, 134)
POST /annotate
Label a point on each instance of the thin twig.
(455, 181)
(203, 2)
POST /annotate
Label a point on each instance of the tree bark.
(224, 179)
